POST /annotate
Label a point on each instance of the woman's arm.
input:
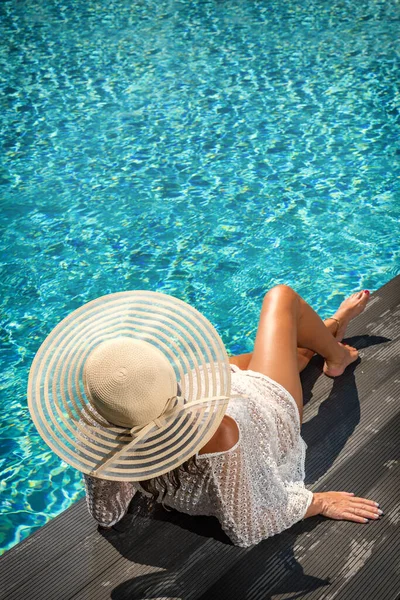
(108, 501)
(343, 506)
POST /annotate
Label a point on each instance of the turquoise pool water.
(206, 149)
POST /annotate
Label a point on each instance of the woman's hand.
(343, 505)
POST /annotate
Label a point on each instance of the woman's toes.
(350, 308)
(362, 303)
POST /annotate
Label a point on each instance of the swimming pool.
(205, 149)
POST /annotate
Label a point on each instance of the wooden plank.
(181, 577)
(346, 561)
(344, 437)
(44, 547)
(69, 572)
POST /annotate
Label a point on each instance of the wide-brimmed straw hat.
(130, 385)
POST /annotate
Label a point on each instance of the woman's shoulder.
(224, 439)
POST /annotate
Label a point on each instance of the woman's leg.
(349, 308)
(303, 358)
(286, 323)
(303, 354)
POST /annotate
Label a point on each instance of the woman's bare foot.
(350, 308)
(335, 367)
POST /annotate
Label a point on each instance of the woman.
(241, 456)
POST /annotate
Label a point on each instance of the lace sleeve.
(107, 501)
(254, 509)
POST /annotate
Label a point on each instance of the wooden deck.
(352, 428)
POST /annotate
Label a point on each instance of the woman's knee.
(280, 293)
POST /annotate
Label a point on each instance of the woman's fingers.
(361, 509)
(355, 518)
(364, 501)
(359, 515)
(366, 506)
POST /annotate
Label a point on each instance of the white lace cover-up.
(255, 489)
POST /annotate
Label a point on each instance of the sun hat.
(130, 385)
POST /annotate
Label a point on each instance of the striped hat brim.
(74, 430)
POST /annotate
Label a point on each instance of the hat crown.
(128, 381)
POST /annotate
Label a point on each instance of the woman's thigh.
(275, 348)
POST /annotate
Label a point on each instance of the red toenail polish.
(367, 291)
